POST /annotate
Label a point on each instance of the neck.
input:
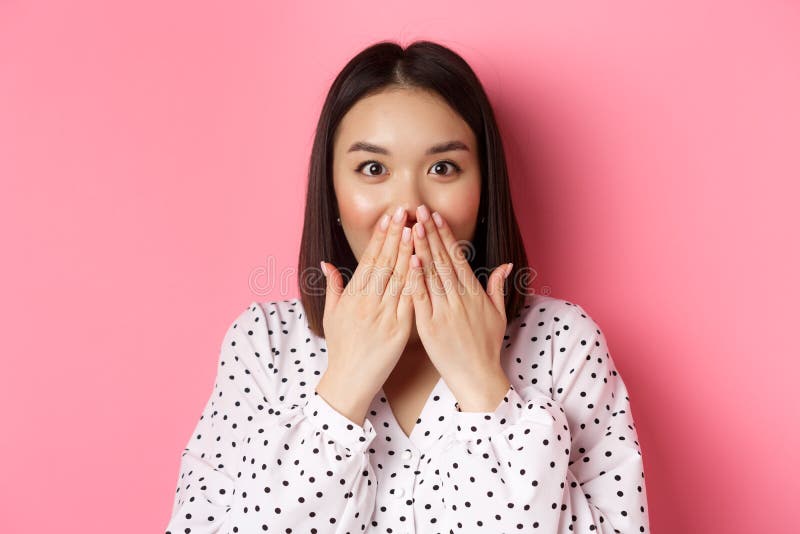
(414, 358)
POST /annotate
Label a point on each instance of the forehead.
(402, 120)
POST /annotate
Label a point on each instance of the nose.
(411, 215)
(409, 194)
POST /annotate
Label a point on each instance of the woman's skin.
(405, 122)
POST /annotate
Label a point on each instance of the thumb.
(495, 286)
(333, 287)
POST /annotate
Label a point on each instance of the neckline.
(417, 440)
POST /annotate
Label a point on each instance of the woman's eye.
(443, 165)
(371, 166)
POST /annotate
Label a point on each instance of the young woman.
(415, 387)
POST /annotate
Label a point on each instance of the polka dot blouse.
(559, 454)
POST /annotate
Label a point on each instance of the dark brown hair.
(430, 66)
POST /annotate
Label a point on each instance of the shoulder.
(274, 337)
(572, 337)
(274, 321)
(286, 312)
(548, 316)
(543, 324)
(267, 329)
(549, 335)
(544, 307)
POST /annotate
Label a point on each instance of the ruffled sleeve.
(255, 463)
(504, 471)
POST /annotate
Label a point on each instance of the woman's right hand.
(367, 324)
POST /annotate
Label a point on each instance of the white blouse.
(558, 455)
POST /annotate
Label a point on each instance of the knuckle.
(383, 261)
(364, 270)
(371, 285)
(395, 282)
(440, 257)
(382, 270)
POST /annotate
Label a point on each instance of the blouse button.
(399, 493)
(406, 454)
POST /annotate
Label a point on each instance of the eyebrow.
(447, 146)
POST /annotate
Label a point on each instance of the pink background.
(153, 158)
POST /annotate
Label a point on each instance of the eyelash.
(457, 169)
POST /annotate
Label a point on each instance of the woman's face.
(382, 159)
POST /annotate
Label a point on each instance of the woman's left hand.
(460, 325)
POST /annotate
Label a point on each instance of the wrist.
(484, 393)
(343, 398)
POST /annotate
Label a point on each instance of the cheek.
(359, 212)
(460, 211)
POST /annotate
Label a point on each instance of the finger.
(391, 297)
(457, 257)
(333, 286)
(436, 291)
(496, 285)
(440, 258)
(423, 308)
(370, 254)
(405, 305)
(385, 264)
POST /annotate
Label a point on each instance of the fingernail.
(322, 266)
(437, 219)
(398, 214)
(422, 212)
(384, 222)
(508, 270)
(406, 234)
(420, 230)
